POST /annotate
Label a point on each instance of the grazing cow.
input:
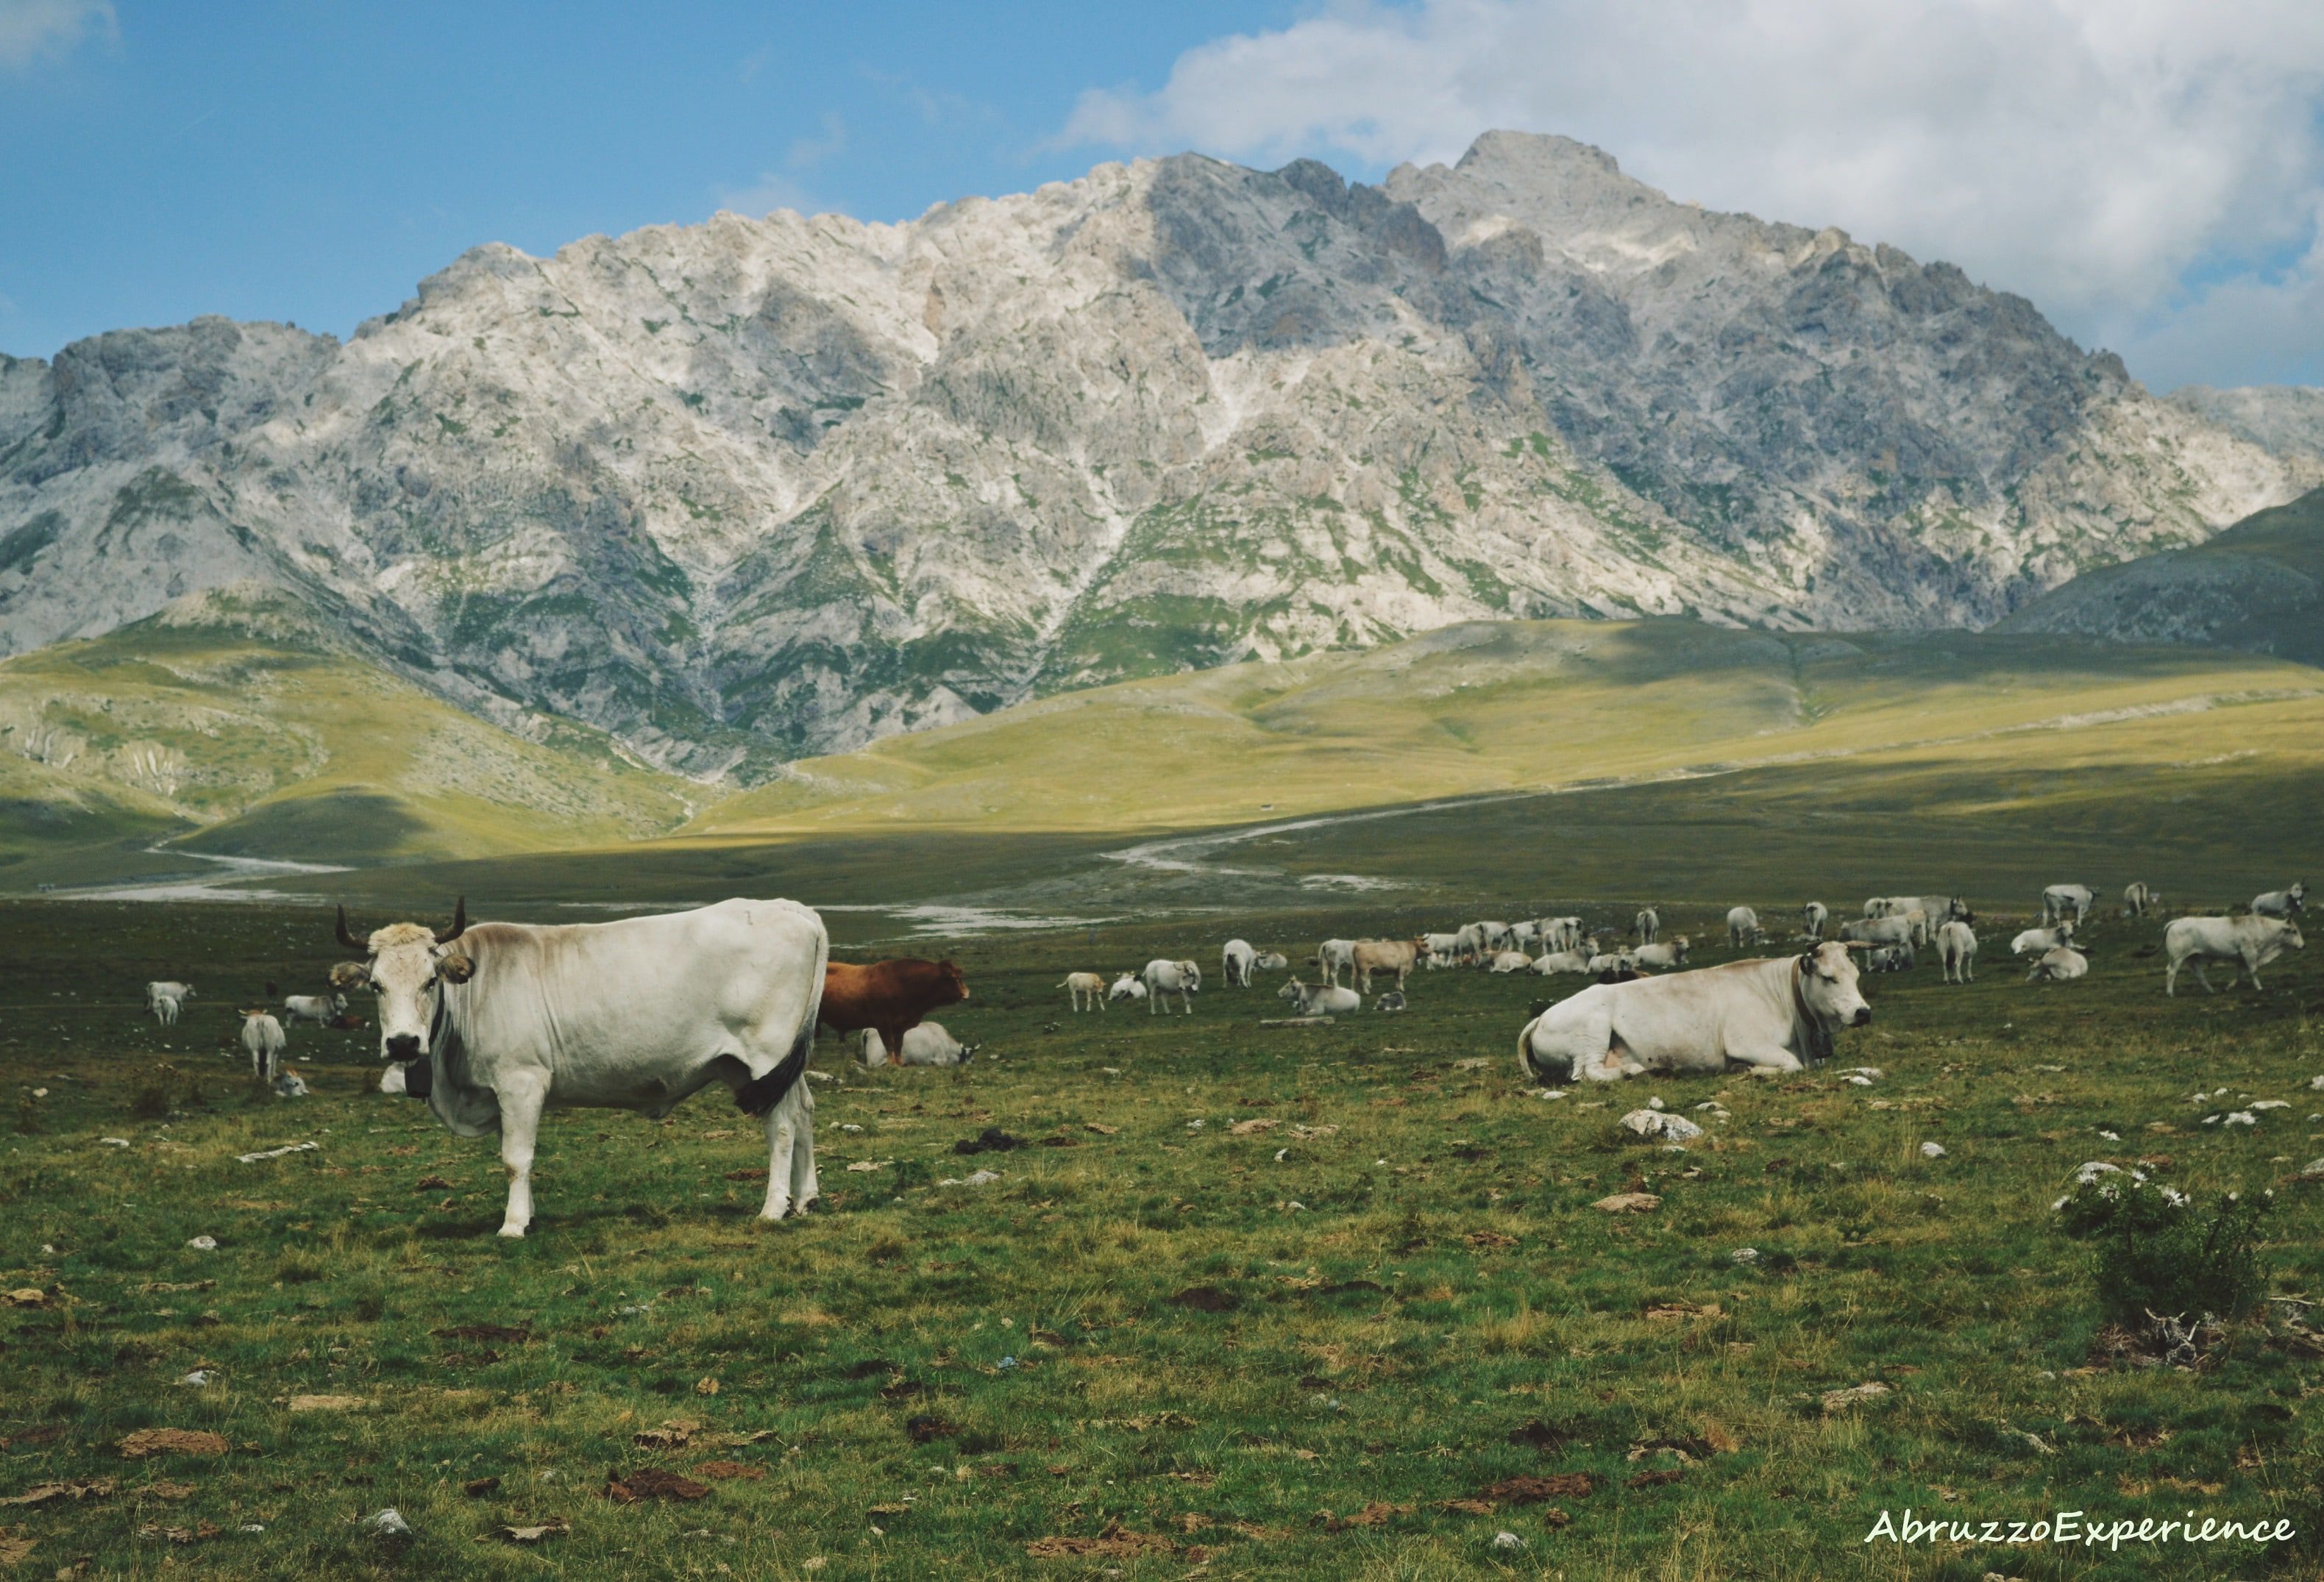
(1235, 962)
(2058, 901)
(1336, 956)
(1942, 909)
(1492, 938)
(2060, 966)
(1891, 958)
(2139, 900)
(1165, 979)
(1398, 956)
(1743, 928)
(1891, 929)
(1956, 942)
(1524, 935)
(1561, 934)
(319, 1008)
(2036, 941)
(927, 1045)
(888, 997)
(165, 1000)
(1776, 1015)
(1126, 987)
(1081, 986)
(1813, 917)
(1272, 962)
(262, 1035)
(2274, 904)
(1323, 999)
(1918, 922)
(1393, 1000)
(1647, 924)
(493, 1025)
(1511, 961)
(1557, 962)
(2251, 943)
(1663, 954)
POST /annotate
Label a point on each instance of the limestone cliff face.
(739, 491)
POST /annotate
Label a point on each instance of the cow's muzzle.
(1863, 1017)
(403, 1047)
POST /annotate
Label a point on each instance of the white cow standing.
(165, 1000)
(1561, 934)
(495, 1024)
(1336, 956)
(263, 1037)
(1956, 942)
(1774, 1015)
(2139, 900)
(1743, 928)
(1235, 962)
(1647, 924)
(2251, 943)
(1165, 979)
(2058, 901)
(2288, 903)
(317, 1008)
(1813, 918)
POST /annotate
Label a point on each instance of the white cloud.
(39, 29)
(2093, 155)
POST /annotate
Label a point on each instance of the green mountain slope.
(2257, 587)
(232, 725)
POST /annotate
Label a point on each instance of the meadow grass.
(1249, 1366)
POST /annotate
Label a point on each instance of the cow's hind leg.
(520, 1107)
(805, 1188)
(783, 1129)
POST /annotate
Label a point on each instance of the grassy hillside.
(2257, 587)
(1477, 708)
(230, 724)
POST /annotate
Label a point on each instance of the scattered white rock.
(1872, 1073)
(1860, 1081)
(1661, 1123)
(2110, 1136)
(1653, 1103)
(388, 1526)
(2271, 1104)
(1548, 1093)
(1855, 1395)
(113, 1142)
(866, 1166)
(2094, 1168)
(199, 1378)
(981, 1178)
(1508, 1540)
(203, 1243)
(1279, 1154)
(849, 1126)
(2316, 1085)
(1933, 1150)
(1744, 1254)
(277, 1154)
(2241, 1118)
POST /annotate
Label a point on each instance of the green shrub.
(2154, 1250)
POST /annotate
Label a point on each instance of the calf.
(1956, 943)
(2251, 943)
(1126, 987)
(888, 997)
(1272, 962)
(928, 1044)
(1323, 999)
(322, 1010)
(1900, 958)
(2061, 965)
(1393, 1000)
(164, 1000)
(1165, 979)
(1081, 986)
(1743, 928)
(262, 1035)
(1336, 956)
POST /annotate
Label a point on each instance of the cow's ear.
(455, 968)
(350, 975)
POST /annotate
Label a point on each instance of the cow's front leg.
(2251, 969)
(1771, 1057)
(782, 1150)
(520, 1107)
(805, 1188)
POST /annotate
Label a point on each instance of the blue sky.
(2151, 176)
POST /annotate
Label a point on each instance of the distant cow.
(1126, 987)
(1393, 1000)
(1647, 924)
(928, 1044)
(1743, 928)
(1943, 909)
(1776, 1015)
(1891, 929)
(1272, 962)
(1322, 999)
(1813, 918)
(2061, 901)
(1081, 986)
(262, 1035)
(1956, 942)
(1336, 956)
(321, 1009)
(1492, 938)
(2062, 965)
(888, 997)
(2037, 941)
(1561, 934)
(1612, 962)
(1165, 979)
(1662, 955)
(2139, 900)
(2275, 903)
(2251, 943)
(1398, 956)
(1235, 961)
(1444, 949)
(1557, 962)
(1899, 958)
(1512, 961)
(164, 1000)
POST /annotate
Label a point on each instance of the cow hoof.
(774, 1212)
(513, 1232)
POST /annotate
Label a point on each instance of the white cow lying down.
(1776, 1015)
(1323, 999)
(2062, 965)
(925, 1045)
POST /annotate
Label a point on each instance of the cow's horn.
(346, 935)
(445, 936)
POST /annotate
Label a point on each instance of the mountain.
(235, 724)
(2285, 418)
(739, 492)
(2257, 587)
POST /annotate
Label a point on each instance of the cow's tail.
(1525, 1051)
(761, 1094)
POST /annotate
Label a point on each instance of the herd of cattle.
(493, 1024)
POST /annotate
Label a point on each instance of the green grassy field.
(1250, 1302)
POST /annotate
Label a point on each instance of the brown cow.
(889, 997)
(1387, 955)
